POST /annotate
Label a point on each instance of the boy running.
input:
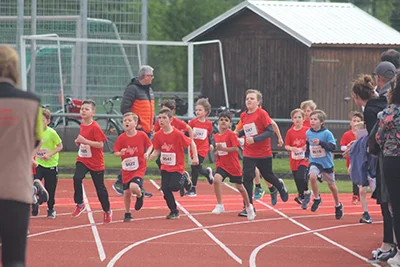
(295, 142)
(170, 143)
(320, 145)
(47, 159)
(307, 107)
(227, 162)
(134, 148)
(90, 159)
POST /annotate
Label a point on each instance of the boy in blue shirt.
(320, 145)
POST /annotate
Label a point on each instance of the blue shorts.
(137, 180)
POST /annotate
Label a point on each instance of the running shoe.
(315, 205)
(366, 218)
(218, 209)
(210, 177)
(258, 193)
(128, 217)
(339, 211)
(173, 215)
(107, 216)
(78, 210)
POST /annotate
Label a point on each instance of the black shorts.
(232, 179)
(137, 180)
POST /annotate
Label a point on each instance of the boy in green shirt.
(47, 158)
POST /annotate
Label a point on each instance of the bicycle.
(71, 106)
(111, 127)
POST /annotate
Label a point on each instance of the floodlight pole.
(190, 79)
(33, 46)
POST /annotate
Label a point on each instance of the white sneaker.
(395, 261)
(218, 209)
(250, 212)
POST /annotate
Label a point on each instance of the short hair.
(9, 64)
(46, 113)
(204, 102)
(144, 70)
(135, 117)
(308, 103)
(392, 56)
(356, 114)
(394, 91)
(321, 115)
(169, 103)
(225, 114)
(294, 111)
(254, 91)
(166, 111)
(90, 102)
(363, 87)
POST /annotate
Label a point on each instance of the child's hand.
(195, 161)
(146, 156)
(123, 151)
(219, 147)
(46, 156)
(249, 140)
(280, 142)
(80, 139)
(215, 154)
(34, 163)
(211, 147)
(315, 141)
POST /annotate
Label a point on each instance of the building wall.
(257, 55)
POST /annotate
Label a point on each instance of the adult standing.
(139, 99)
(21, 131)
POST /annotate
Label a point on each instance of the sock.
(80, 205)
(258, 185)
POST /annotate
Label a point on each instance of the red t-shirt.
(253, 125)
(201, 131)
(91, 157)
(346, 139)
(177, 123)
(172, 149)
(297, 138)
(228, 161)
(133, 161)
(306, 124)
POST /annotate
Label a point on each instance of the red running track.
(283, 235)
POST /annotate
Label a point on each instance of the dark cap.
(385, 69)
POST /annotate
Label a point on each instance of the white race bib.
(40, 153)
(250, 129)
(298, 155)
(317, 152)
(222, 153)
(84, 151)
(200, 133)
(130, 164)
(168, 159)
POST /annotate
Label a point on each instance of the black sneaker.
(366, 218)
(35, 209)
(147, 194)
(51, 214)
(139, 201)
(339, 211)
(283, 192)
(187, 182)
(128, 217)
(43, 195)
(319, 178)
(191, 192)
(173, 215)
(243, 213)
(298, 200)
(315, 205)
(210, 177)
(379, 255)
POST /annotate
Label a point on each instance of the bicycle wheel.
(111, 131)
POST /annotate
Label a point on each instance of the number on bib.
(168, 159)
(317, 152)
(84, 151)
(130, 164)
(298, 155)
(250, 129)
(199, 133)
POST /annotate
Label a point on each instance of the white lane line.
(95, 231)
(352, 252)
(216, 240)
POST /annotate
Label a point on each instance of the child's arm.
(330, 147)
(190, 131)
(48, 155)
(227, 149)
(120, 153)
(154, 154)
(269, 131)
(82, 140)
(278, 133)
(148, 151)
(195, 159)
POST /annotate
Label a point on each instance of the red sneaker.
(107, 216)
(78, 210)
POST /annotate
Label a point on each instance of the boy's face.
(200, 111)
(87, 111)
(251, 101)
(129, 123)
(164, 120)
(45, 122)
(224, 123)
(315, 122)
(297, 118)
(307, 111)
(354, 121)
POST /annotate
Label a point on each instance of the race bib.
(298, 155)
(317, 152)
(84, 151)
(40, 153)
(130, 164)
(200, 133)
(168, 159)
(222, 153)
(250, 129)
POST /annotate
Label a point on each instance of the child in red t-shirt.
(307, 107)
(170, 143)
(227, 162)
(90, 159)
(202, 131)
(345, 142)
(134, 148)
(257, 152)
(295, 143)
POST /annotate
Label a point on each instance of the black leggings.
(98, 180)
(391, 169)
(50, 176)
(249, 172)
(13, 229)
(171, 182)
(198, 169)
(301, 179)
